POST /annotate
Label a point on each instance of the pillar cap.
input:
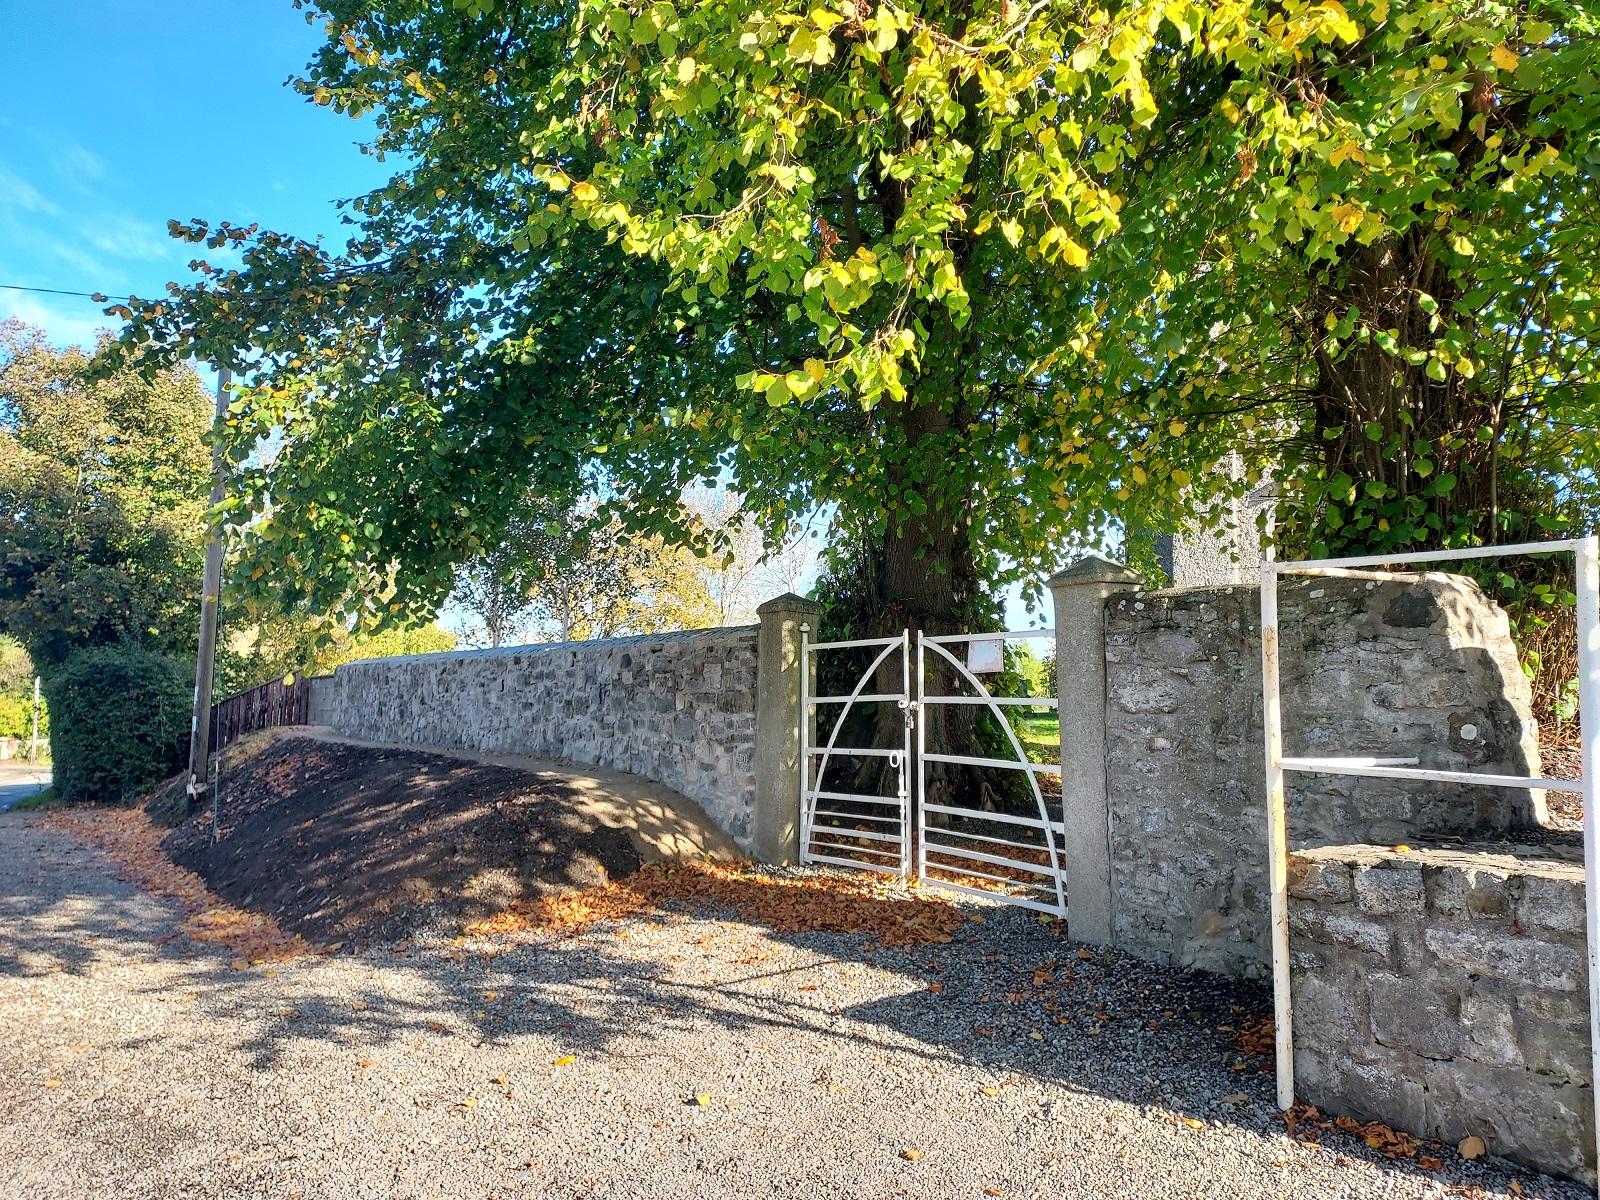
(1094, 569)
(788, 603)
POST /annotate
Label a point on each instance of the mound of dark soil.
(353, 844)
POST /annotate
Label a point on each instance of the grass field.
(1041, 735)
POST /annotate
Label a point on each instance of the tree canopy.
(975, 276)
(103, 494)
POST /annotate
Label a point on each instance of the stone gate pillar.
(1080, 593)
(778, 715)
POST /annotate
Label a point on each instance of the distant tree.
(570, 567)
(104, 484)
(747, 566)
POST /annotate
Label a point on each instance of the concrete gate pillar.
(1080, 593)
(778, 715)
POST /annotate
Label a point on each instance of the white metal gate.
(1001, 851)
(1006, 855)
(840, 826)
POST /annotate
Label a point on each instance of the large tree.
(103, 494)
(971, 275)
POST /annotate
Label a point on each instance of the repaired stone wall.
(1382, 665)
(1445, 992)
(678, 708)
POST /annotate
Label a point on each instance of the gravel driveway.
(669, 1057)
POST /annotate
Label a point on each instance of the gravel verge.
(683, 1055)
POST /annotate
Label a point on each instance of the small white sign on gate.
(985, 656)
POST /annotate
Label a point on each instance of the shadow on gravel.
(1008, 997)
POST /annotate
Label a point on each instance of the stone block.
(1320, 880)
(1387, 1089)
(1559, 1051)
(1517, 1113)
(1490, 1030)
(1336, 928)
(1508, 956)
(1389, 891)
(1553, 903)
(1463, 892)
(1409, 1015)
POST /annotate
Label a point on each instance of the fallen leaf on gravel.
(1429, 1163)
(701, 1098)
(993, 1191)
(936, 988)
(990, 1091)
(1471, 1147)
(1085, 955)
(1193, 1122)
(52, 1083)
(128, 838)
(1236, 1098)
(499, 1080)
(911, 1155)
(566, 1060)
(364, 1063)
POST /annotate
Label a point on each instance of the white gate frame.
(1586, 579)
(811, 795)
(1051, 828)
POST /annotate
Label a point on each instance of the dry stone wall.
(1445, 992)
(1378, 665)
(678, 708)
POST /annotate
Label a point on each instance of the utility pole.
(210, 594)
(33, 743)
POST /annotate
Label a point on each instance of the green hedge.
(119, 723)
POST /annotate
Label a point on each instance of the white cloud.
(125, 237)
(77, 164)
(17, 193)
(67, 321)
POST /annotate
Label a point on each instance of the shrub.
(119, 722)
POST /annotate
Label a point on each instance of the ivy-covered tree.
(976, 275)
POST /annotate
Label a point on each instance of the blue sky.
(118, 115)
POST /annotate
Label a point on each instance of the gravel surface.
(678, 1056)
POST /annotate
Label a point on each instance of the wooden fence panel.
(265, 707)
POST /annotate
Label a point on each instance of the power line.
(96, 296)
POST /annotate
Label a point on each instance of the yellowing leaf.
(687, 68)
(911, 1155)
(586, 191)
(566, 1060)
(1504, 57)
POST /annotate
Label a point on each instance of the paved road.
(19, 780)
(677, 1058)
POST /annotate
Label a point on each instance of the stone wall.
(677, 708)
(1445, 992)
(1378, 665)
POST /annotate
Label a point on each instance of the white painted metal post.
(1277, 835)
(805, 741)
(1586, 577)
(922, 748)
(909, 714)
